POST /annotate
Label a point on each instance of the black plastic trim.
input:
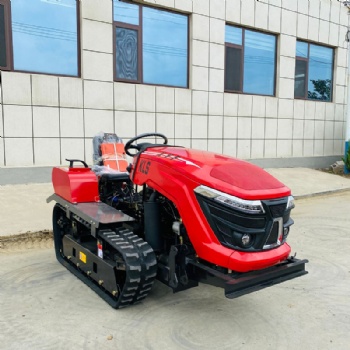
(229, 224)
(238, 284)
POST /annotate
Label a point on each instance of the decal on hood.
(171, 157)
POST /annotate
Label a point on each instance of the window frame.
(242, 47)
(307, 59)
(139, 29)
(8, 34)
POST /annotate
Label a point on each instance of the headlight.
(246, 206)
(290, 203)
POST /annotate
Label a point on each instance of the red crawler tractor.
(178, 215)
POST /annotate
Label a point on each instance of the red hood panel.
(245, 177)
(227, 174)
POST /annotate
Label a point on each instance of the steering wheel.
(138, 147)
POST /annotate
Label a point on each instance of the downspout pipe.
(347, 125)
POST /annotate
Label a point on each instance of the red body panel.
(75, 185)
(226, 174)
(175, 172)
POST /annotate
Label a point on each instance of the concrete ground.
(43, 306)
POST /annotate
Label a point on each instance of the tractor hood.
(227, 174)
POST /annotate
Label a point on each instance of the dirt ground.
(25, 241)
(330, 171)
(43, 306)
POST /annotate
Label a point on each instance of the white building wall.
(45, 119)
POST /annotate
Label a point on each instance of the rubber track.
(140, 263)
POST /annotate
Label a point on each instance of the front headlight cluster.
(243, 205)
(290, 203)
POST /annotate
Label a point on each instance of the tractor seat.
(109, 157)
(113, 156)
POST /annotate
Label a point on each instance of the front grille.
(273, 234)
(229, 225)
(277, 211)
(236, 218)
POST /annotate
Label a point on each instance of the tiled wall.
(45, 119)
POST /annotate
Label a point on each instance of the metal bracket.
(93, 213)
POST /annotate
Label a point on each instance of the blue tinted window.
(320, 73)
(126, 55)
(233, 35)
(44, 36)
(164, 48)
(300, 78)
(313, 72)
(259, 63)
(157, 43)
(124, 12)
(251, 67)
(302, 49)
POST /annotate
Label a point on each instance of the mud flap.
(238, 284)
